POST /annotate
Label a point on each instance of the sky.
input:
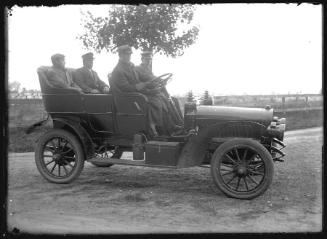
(241, 48)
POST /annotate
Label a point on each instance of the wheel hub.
(241, 171)
(58, 158)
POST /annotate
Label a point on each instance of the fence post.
(283, 104)
(307, 100)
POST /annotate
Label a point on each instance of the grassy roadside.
(302, 119)
(21, 142)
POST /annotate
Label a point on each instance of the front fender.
(75, 128)
(194, 152)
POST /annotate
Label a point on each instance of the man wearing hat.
(144, 70)
(87, 78)
(125, 78)
(146, 63)
(59, 76)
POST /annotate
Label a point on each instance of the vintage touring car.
(240, 145)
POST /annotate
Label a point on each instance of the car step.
(126, 162)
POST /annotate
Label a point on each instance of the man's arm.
(78, 79)
(119, 80)
(101, 84)
(55, 80)
(143, 75)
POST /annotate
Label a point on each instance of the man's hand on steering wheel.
(153, 91)
(161, 80)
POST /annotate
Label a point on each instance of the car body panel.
(194, 151)
(206, 114)
(100, 111)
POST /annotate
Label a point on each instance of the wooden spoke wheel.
(59, 156)
(242, 168)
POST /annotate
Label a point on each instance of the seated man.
(145, 74)
(124, 78)
(87, 79)
(58, 75)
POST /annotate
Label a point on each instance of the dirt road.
(125, 199)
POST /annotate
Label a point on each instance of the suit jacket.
(144, 72)
(146, 75)
(88, 80)
(124, 78)
(59, 78)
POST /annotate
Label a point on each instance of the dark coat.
(124, 78)
(60, 78)
(144, 72)
(172, 117)
(88, 80)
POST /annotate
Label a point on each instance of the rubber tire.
(106, 164)
(80, 157)
(254, 145)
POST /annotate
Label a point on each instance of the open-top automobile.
(240, 145)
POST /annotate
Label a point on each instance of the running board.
(127, 162)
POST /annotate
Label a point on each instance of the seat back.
(43, 79)
(58, 100)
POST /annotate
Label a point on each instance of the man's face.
(88, 63)
(146, 60)
(125, 57)
(61, 63)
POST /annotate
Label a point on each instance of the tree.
(206, 98)
(190, 97)
(14, 86)
(154, 27)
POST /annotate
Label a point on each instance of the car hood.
(224, 113)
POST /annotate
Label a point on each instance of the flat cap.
(126, 49)
(146, 54)
(88, 55)
(57, 56)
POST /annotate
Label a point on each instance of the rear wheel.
(59, 156)
(242, 168)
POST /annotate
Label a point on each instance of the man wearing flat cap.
(125, 78)
(87, 79)
(59, 76)
(145, 73)
(146, 63)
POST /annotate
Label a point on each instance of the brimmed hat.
(87, 56)
(125, 49)
(146, 54)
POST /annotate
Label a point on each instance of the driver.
(125, 78)
(145, 74)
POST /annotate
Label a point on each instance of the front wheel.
(59, 156)
(242, 168)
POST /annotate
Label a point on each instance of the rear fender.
(37, 126)
(194, 152)
(75, 128)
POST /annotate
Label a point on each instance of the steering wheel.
(163, 79)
